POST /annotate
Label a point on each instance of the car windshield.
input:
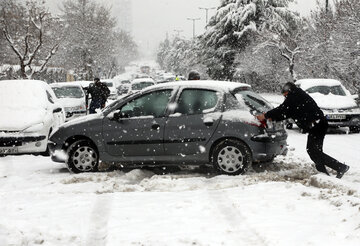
(109, 84)
(326, 90)
(141, 85)
(253, 100)
(68, 92)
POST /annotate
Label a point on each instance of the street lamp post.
(193, 20)
(207, 12)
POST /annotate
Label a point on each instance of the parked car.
(112, 87)
(29, 112)
(139, 84)
(195, 122)
(72, 97)
(123, 87)
(338, 105)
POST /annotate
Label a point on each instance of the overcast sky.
(152, 19)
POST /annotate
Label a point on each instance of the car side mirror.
(117, 116)
(57, 110)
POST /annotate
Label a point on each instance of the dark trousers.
(95, 104)
(314, 148)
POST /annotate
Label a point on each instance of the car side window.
(196, 101)
(49, 97)
(152, 104)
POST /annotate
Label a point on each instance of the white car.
(29, 113)
(338, 105)
(72, 97)
(139, 84)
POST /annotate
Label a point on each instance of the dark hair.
(194, 75)
(96, 79)
(288, 87)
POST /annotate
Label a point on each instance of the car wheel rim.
(230, 159)
(85, 158)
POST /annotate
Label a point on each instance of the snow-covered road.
(286, 203)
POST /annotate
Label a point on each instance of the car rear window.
(325, 90)
(68, 92)
(141, 85)
(252, 100)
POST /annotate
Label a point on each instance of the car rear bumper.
(267, 146)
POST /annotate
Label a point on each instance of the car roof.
(204, 84)
(308, 83)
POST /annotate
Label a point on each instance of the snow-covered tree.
(27, 31)
(234, 25)
(332, 44)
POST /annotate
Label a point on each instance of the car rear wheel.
(231, 157)
(82, 157)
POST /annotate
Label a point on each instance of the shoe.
(342, 172)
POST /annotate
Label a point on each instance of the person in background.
(99, 93)
(194, 75)
(299, 106)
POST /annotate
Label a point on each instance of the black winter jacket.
(99, 92)
(299, 106)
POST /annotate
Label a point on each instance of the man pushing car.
(299, 106)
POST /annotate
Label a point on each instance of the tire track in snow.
(97, 232)
(242, 232)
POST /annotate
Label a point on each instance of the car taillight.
(261, 124)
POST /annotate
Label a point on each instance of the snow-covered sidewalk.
(286, 203)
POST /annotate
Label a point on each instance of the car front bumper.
(57, 153)
(344, 121)
(22, 144)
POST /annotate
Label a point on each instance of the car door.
(140, 129)
(193, 122)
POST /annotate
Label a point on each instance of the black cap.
(288, 87)
(96, 79)
(194, 75)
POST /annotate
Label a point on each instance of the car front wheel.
(82, 157)
(231, 157)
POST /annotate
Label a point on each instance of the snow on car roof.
(23, 102)
(61, 84)
(83, 83)
(214, 84)
(142, 80)
(27, 93)
(308, 83)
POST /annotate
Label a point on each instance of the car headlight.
(35, 128)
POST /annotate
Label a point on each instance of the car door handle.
(208, 122)
(155, 126)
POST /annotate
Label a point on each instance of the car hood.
(333, 101)
(71, 102)
(83, 119)
(18, 120)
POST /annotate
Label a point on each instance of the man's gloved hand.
(261, 117)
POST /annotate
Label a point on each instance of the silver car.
(187, 122)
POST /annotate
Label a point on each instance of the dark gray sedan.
(187, 122)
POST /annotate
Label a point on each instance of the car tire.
(82, 157)
(354, 129)
(231, 157)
